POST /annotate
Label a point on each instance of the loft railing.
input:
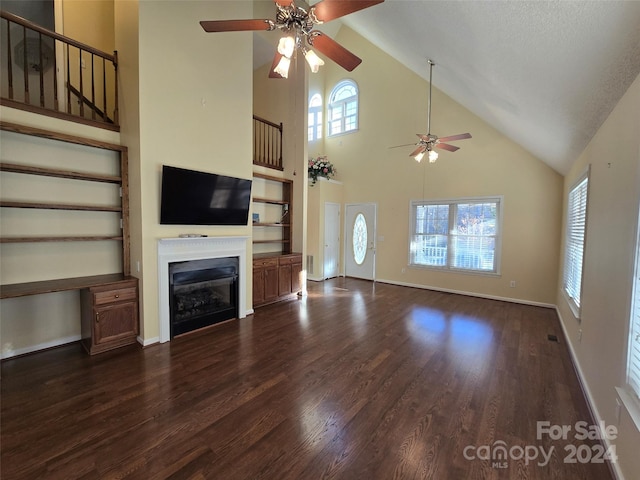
(267, 143)
(45, 72)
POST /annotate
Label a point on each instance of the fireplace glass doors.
(202, 292)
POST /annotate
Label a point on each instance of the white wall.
(612, 216)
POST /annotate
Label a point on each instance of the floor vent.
(552, 338)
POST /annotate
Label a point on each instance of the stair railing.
(48, 73)
(267, 143)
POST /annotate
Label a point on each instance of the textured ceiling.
(544, 73)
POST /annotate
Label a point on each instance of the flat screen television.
(190, 197)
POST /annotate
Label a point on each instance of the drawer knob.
(117, 296)
(97, 317)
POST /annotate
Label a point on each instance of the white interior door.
(360, 240)
(331, 239)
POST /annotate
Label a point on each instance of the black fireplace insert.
(202, 293)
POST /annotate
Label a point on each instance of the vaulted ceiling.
(546, 74)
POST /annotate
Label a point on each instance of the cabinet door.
(270, 283)
(258, 285)
(284, 279)
(115, 322)
(296, 270)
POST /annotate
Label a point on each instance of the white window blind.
(633, 368)
(574, 244)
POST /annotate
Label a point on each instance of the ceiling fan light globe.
(433, 156)
(419, 157)
(314, 61)
(286, 45)
(282, 68)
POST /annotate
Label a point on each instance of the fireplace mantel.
(197, 248)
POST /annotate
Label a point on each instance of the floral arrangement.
(320, 167)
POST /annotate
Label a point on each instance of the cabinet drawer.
(291, 259)
(265, 262)
(115, 295)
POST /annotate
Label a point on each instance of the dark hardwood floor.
(356, 381)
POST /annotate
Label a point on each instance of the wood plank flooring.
(356, 381)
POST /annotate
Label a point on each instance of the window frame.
(575, 306)
(452, 204)
(342, 105)
(318, 122)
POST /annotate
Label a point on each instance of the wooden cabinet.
(109, 315)
(275, 277)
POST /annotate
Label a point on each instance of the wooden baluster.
(68, 81)
(116, 119)
(93, 90)
(56, 106)
(41, 69)
(10, 60)
(81, 83)
(25, 66)
(105, 115)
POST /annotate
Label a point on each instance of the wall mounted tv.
(190, 197)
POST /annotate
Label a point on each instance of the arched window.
(343, 108)
(315, 118)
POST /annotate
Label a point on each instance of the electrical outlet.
(512, 284)
(580, 335)
(138, 266)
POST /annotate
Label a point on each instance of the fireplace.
(179, 250)
(202, 293)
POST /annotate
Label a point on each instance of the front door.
(360, 243)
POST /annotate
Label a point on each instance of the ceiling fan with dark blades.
(297, 25)
(427, 142)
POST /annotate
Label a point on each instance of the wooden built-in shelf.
(283, 199)
(54, 172)
(58, 285)
(60, 206)
(259, 224)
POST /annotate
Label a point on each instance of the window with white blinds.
(633, 367)
(574, 244)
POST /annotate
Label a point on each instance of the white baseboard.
(9, 352)
(469, 294)
(148, 341)
(587, 393)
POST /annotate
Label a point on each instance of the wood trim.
(269, 200)
(62, 137)
(79, 238)
(53, 172)
(60, 206)
(272, 178)
(63, 284)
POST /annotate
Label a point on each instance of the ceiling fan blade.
(276, 60)
(446, 146)
(326, 10)
(423, 136)
(334, 50)
(234, 25)
(418, 150)
(452, 138)
(405, 145)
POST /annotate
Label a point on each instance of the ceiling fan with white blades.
(297, 25)
(427, 142)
